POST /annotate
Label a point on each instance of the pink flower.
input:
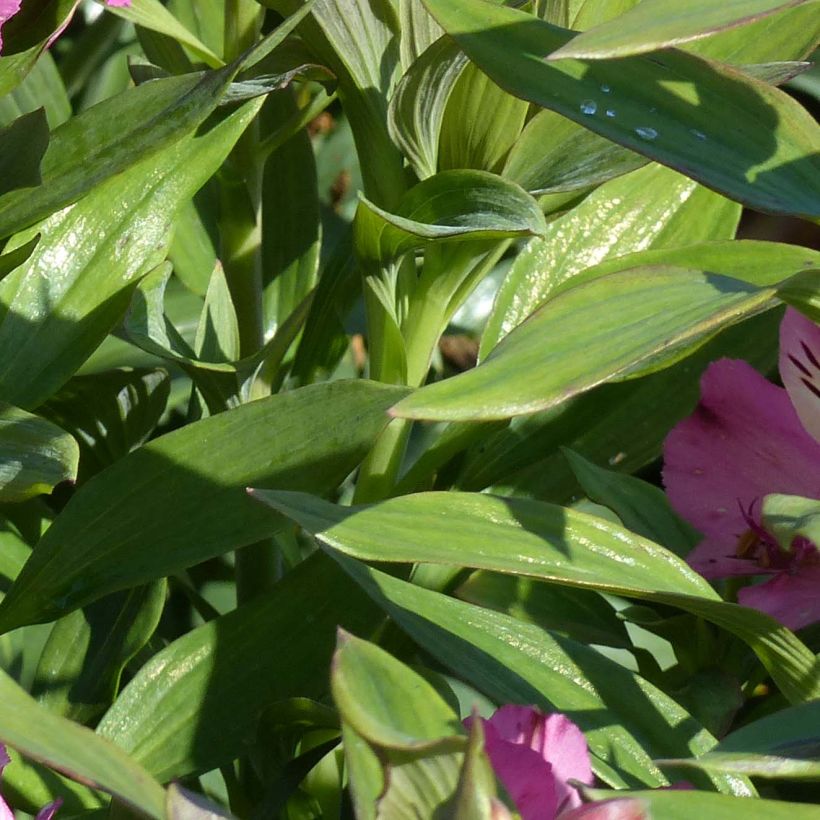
(748, 438)
(8, 8)
(534, 755)
(46, 813)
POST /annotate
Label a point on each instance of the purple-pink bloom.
(534, 755)
(8, 8)
(748, 438)
(46, 813)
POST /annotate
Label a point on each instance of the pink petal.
(8, 8)
(743, 441)
(555, 738)
(622, 808)
(800, 367)
(525, 775)
(5, 812)
(794, 600)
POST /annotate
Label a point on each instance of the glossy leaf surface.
(734, 134)
(193, 481)
(655, 24)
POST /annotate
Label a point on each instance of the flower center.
(759, 545)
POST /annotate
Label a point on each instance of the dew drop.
(610, 112)
(589, 106)
(646, 133)
(605, 88)
(697, 134)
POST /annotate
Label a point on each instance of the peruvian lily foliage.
(46, 813)
(746, 439)
(8, 8)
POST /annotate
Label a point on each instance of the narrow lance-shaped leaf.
(514, 662)
(50, 324)
(737, 135)
(549, 542)
(612, 328)
(196, 704)
(192, 480)
(655, 24)
(75, 751)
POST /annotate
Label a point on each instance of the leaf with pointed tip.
(737, 135)
(22, 145)
(514, 662)
(610, 329)
(655, 24)
(554, 154)
(35, 455)
(650, 208)
(557, 544)
(642, 507)
(75, 751)
(197, 703)
(192, 480)
(101, 247)
(451, 206)
(151, 14)
(417, 106)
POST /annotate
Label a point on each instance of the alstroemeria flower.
(746, 439)
(46, 813)
(8, 8)
(534, 755)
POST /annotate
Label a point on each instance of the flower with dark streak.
(748, 438)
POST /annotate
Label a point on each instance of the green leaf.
(788, 517)
(417, 106)
(737, 135)
(14, 258)
(111, 137)
(554, 154)
(186, 805)
(418, 31)
(513, 662)
(217, 335)
(652, 207)
(686, 804)
(612, 328)
(101, 247)
(803, 292)
(22, 145)
(580, 614)
(655, 24)
(552, 543)
(788, 739)
(109, 413)
(79, 671)
(196, 704)
(42, 88)
(642, 507)
(621, 424)
(291, 227)
(481, 122)
(751, 765)
(517, 536)
(75, 751)
(451, 206)
(192, 480)
(151, 14)
(387, 704)
(35, 455)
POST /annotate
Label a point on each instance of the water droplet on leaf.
(589, 106)
(610, 112)
(646, 133)
(697, 134)
(605, 88)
